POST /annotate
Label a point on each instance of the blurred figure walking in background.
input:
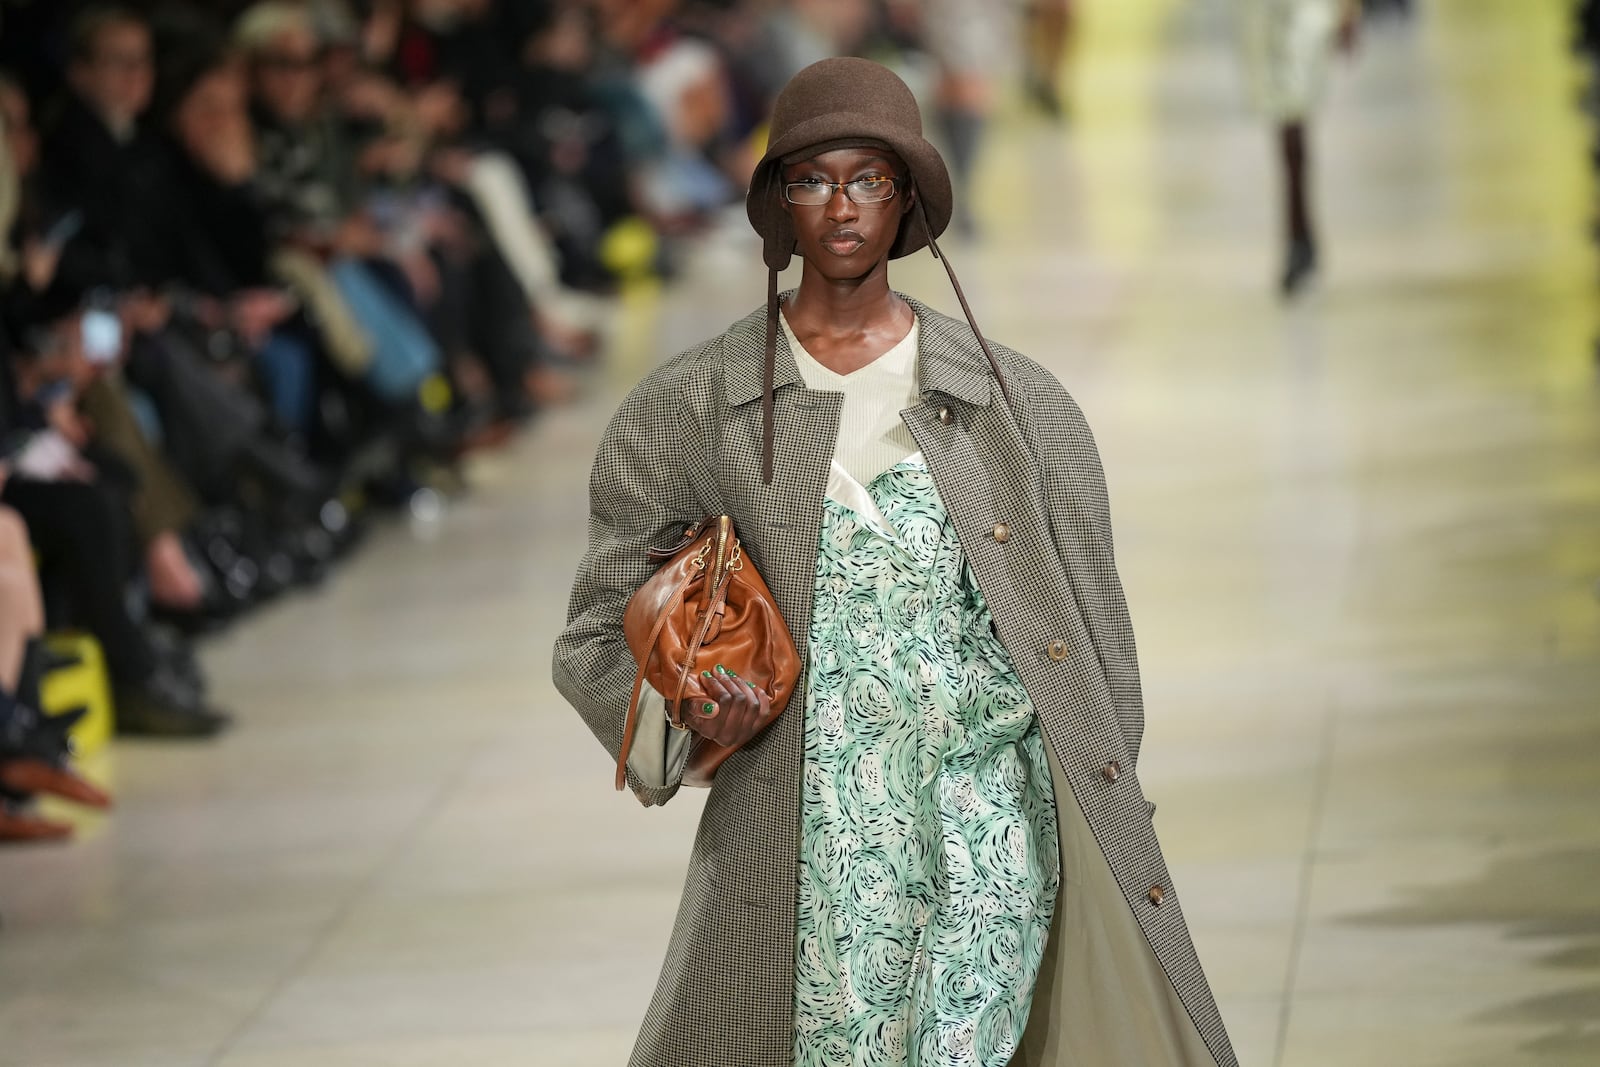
(1046, 36)
(968, 41)
(1286, 45)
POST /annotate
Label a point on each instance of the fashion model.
(941, 854)
(1285, 45)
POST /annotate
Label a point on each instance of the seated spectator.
(432, 50)
(567, 142)
(34, 752)
(390, 236)
(674, 90)
(305, 179)
(99, 161)
(215, 230)
(82, 531)
(162, 505)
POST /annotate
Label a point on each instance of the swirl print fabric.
(928, 862)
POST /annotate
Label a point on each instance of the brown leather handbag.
(706, 604)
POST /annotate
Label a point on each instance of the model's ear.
(910, 199)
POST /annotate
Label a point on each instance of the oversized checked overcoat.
(1120, 985)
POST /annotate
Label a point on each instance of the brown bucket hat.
(847, 103)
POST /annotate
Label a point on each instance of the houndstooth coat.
(1121, 985)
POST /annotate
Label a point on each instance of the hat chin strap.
(766, 375)
(767, 370)
(933, 246)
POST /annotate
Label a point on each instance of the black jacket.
(120, 187)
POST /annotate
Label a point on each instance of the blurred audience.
(270, 268)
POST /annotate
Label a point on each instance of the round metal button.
(944, 416)
(1002, 532)
(1058, 650)
(1156, 895)
(1111, 771)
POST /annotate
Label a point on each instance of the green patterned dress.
(928, 857)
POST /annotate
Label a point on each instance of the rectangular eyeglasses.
(861, 191)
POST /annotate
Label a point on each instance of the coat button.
(1156, 895)
(1058, 650)
(1111, 771)
(1002, 532)
(944, 416)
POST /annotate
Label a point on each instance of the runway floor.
(1360, 537)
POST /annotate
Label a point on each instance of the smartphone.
(102, 335)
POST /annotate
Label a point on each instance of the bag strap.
(630, 725)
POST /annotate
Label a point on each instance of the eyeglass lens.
(860, 191)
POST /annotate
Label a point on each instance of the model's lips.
(843, 242)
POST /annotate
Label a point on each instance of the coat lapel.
(949, 363)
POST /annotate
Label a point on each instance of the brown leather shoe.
(23, 826)
(35, 776)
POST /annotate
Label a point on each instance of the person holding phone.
(83, 524)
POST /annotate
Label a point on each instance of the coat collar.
(949, 361)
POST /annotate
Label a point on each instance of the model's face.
(841, 238)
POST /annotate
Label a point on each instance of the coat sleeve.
(639, 496)
(1080, 519)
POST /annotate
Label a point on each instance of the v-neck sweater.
(872, 436)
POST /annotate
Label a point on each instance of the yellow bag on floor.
(84, 684)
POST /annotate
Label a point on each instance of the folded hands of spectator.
(50, 457)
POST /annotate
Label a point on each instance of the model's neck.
(845, 325)
(835, 308)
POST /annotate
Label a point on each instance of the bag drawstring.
(768, 368)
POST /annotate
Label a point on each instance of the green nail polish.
(709, 709)
(705, 674)
(721, 669)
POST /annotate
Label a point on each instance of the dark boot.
(1300, 257)
(165, 705)
(1300, 264)
(36, 663)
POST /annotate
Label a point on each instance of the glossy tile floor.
(1360, 536)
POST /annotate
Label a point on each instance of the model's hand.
(39, 262)
(738, 710)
